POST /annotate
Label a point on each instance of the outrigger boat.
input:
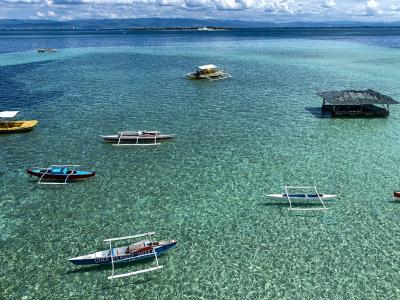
(137, 138)
(139, 251)
(59, 174)
(310, 194)
(210, 72)
(46, 50)
(396, 194)
(11, 126)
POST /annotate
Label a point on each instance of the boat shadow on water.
(394, 201)
(284, 208)
(106, 270)
(113, 283)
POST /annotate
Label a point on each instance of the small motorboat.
(138, 251)
(210, 72)
(11, 126)
(63, 173)
(137, 138)
(396, 194)
(46, 50)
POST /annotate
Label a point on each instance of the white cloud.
(251, 10)
(329, 3)
(51, 14)
(372, 7)
(40, 14)
(171, 3)
(22, 1)
(394, 7)
(197, 3)
(279, 6)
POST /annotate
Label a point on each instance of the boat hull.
(17, 126)
(80, 175)
(396, 194)
(214, 76)
(302, 196)
(133, 138)
(104, 260)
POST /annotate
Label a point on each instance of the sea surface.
(236, 141)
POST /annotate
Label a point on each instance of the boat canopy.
(8, 114)
(207, 67)
(111, 240)
(57, 168)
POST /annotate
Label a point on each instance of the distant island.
(204, 28)
(173, 24)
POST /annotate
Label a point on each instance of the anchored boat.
(137, 138)
(46, 50)
(138, 251)
(210, 72)
(59, 174)
(135, 252)
(308, 194)
(7, 125)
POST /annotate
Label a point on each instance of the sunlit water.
(236, 140)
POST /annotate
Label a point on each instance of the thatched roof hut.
(356, 103)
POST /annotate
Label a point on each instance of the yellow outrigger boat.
(11, 126)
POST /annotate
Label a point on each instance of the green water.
(237, 140)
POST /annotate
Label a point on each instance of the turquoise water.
(237, 140)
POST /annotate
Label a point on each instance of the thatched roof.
(351, 97)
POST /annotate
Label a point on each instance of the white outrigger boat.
(139, 251)
(210, 72)
(307, 194)
(137, 138)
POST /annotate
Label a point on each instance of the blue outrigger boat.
(59, 174)
(139, 251)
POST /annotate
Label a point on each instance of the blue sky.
(252, 10)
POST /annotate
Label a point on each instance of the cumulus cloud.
(394, 7)
(197, 3)
(372, 7)
(22, 1)
(279, 6)
(252, 10)
(329, 3)
(170, 2)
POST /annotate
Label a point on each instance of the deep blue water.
(24, 40)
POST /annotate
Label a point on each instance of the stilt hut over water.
(356, 103)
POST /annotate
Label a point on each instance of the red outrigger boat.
(396, 194)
